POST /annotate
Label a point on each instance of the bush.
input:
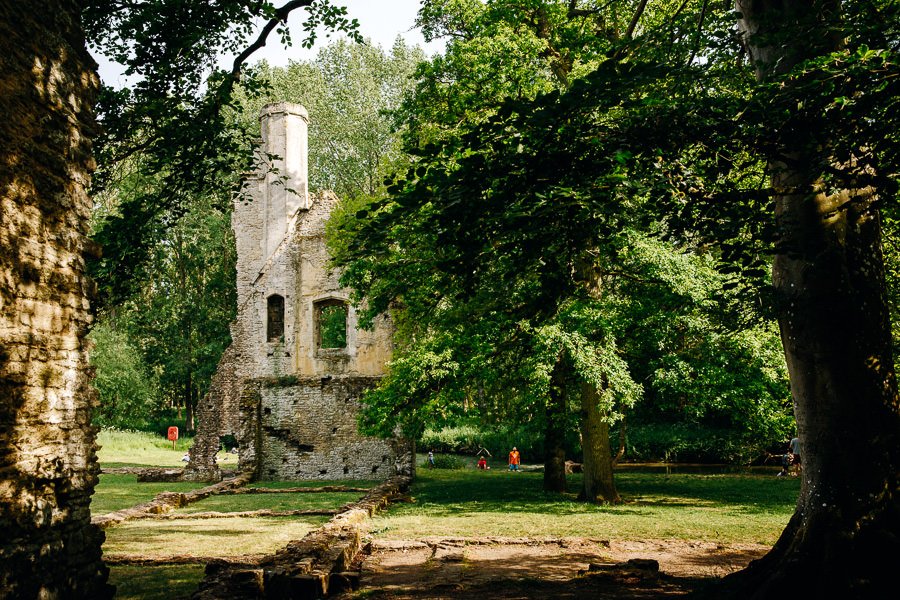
(163, 418)
(498, 440)
(687, 442)
(129, 395)
(448, 461)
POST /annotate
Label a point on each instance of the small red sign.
(173, 433)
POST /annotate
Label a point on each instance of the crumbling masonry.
(48, 467)
(288, 387)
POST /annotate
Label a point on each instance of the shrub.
(689, 442)
(497, 439)
(448, 461)
(129, 395)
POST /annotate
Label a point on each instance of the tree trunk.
(844, 537)
(597, 467)
(599, 485)
(555, 432)
(48, 464)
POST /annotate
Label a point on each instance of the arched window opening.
(331, 324)
(275, 318)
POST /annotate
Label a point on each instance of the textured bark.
(845, 533)
(555, 432)
(599, 484)
(48, 466)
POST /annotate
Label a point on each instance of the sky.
(380, 20)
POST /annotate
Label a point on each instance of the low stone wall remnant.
(311, 568)
(166, 501)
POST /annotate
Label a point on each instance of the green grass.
(141, 449)
(287, 501)
(115, 492)
(722, 507)
(207, 537)
(157, 582)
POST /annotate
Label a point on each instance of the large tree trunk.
(598, 482)
(48, 465)
(844, 537)
(599, 485)
(555, 432)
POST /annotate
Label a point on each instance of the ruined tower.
(288, 387)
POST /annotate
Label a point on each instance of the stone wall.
(306, 429)
(48, 467)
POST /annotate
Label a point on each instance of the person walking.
(791, 458)
(514, 459)
(431, 459)
(795, 452)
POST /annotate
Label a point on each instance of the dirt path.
(507, 569)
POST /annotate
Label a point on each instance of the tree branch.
(281, 16)
(635, 19)
(699, 31)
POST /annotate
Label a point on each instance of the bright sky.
(380, 20)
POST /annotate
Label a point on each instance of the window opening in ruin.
(331, 324)
(275, 318)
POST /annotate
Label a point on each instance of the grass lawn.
(116, 492)
(207, 537)
(286, 501)
(721, 507)
(142, 582)
(141, 449)
(716, 507)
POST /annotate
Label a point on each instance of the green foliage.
(551, 225)
(333, 326)
(179, 315)
(129, 394)
(498, 439)
(171, 124)
(349, 90)
(448, 461)
(691, 442)
(497, 50)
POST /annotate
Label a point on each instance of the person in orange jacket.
(514, 460)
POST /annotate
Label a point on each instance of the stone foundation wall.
(48, 466)
(306, 429)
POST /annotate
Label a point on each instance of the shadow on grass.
(157, 582)
(449, 492)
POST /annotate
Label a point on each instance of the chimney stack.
(285, 146)
(273, 194)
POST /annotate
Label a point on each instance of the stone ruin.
(48, 464)
(288, 387)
